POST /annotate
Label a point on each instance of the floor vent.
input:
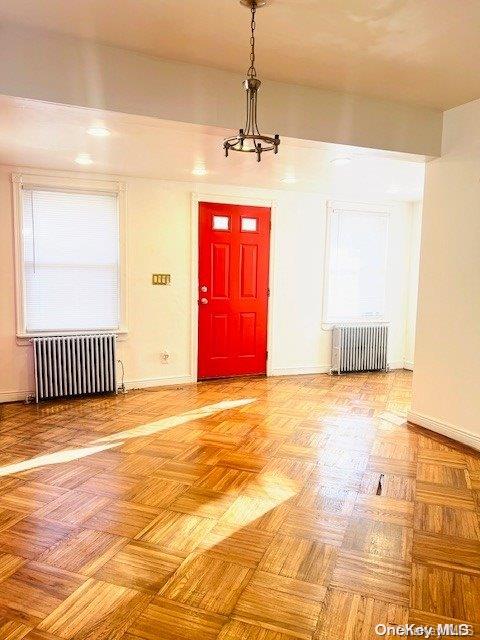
(380, 485)
(74, 365)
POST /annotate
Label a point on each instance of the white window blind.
(356, 266)
(71, 261)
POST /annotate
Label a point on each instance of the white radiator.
(359, 348)
(74, 365)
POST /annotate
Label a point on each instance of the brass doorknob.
(203, 300)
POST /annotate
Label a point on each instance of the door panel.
(248, 270)
(220, 274)
(248, 324)
(219, 345)
(234, 245)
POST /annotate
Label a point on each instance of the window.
(221, 223)
(70, 271)
(249, 224)
(355, 273)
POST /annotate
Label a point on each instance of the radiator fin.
(74, 365)
(359, 348)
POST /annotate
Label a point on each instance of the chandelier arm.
(252, 113)
(257, 141)
(248, 122)
(254, 128)
(255, 122)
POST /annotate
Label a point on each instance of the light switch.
(161, 278)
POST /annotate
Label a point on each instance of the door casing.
(194, 257)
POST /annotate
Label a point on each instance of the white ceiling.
(422, 52)
(43, 135)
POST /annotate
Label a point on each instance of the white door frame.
(196, 198)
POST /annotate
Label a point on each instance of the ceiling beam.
(71, 71)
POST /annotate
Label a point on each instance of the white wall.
(65, 70)
(410, 320)
(159, 240)
(446, 381)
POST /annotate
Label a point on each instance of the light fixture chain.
(252, 72)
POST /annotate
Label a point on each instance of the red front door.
(234, 245)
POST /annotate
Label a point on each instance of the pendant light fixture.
(249, 139)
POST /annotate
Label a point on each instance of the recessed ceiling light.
(98, 131)
(83, 158)
(199, 170)
(340, 161)
(289, 180)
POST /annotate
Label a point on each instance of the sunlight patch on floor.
(117, 439)
(59, 457)
(263, 496)
(175, 421)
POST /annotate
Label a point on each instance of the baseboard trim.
(408, 365)
(14, 396)
(400, 364)
(296, 371)
(146, 383)
(143, 383)
(445, 429)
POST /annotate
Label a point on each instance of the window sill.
(24, 339)
(328, 325)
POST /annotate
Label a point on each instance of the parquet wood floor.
(247, 509)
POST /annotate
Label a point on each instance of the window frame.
(75, 184)
(335, 207)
